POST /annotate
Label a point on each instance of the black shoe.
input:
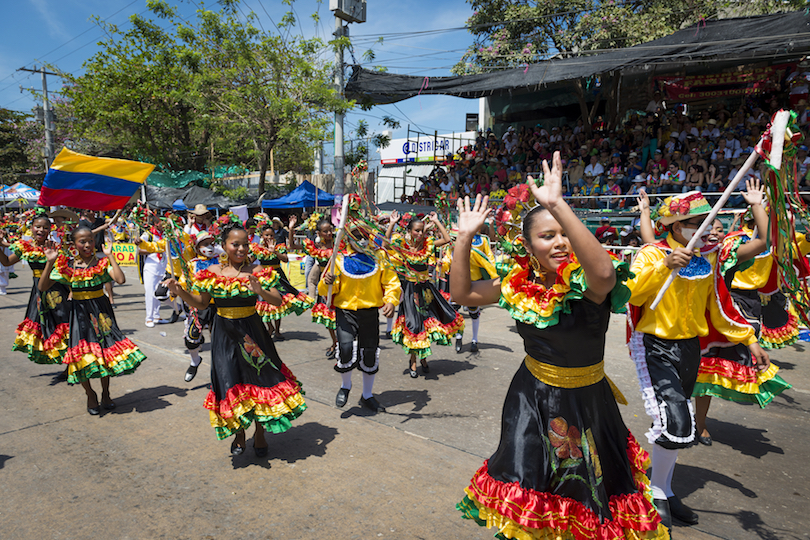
(425, 368)
(387, 335)
(706, 441)
(279, 337)
(62, 376)
(342, 396)
(108, 406)
(331, 352)
(174, 318)
(94, 411)
(681, 512)
(372, 403)
(459, 344)
(662, 506)
(260, 452)
(474, 346)
(190, 373)
(237, 450)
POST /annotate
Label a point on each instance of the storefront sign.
(125, 254)
(425, 148)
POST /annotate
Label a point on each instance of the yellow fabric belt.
(37, 273)
(89, 295)
(564, 377)
(236, 312)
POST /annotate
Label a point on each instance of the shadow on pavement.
(442, 367)
(290, 335)
(3, 459)
(145, 399)
(750, 521)
(689, 479)
(745, 440)
(494, 346)
(784, 366)
(295, 444)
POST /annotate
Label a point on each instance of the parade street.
(153, 468)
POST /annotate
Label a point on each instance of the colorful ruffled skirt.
(780, 325)
(249, 382)
(425, 317)
(727, 369)
(292, 301)
(97, 348)
(43, 334)
(566, 468)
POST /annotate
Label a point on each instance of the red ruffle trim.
(259, 395)
(319, 254)
(27, 326)
(783, 333)
(538, 510)
(266, 272)
(29, 251)
(727, 369)
(114, 353)
(80, 274)
(58, 338)
(320, 310)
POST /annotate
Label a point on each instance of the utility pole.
(351, 11)
(46, 110)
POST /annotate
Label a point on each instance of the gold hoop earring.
(537, 268)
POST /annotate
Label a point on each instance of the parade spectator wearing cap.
(604, 233)
(674, 179)
(590, 188)
(610, 188)
(638, 183)
(594, 169)
(711, 130)
(658, 159)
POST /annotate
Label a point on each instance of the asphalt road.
(152, 468)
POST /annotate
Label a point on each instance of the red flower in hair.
(502, 215)
(520, 192)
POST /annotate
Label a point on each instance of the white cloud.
(52, 22)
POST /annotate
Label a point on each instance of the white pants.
(150, 283)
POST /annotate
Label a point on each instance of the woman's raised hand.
(51, 253)
(753, 194)
(293, 220)
(549, 194)
(472, 217)
(643, 200)
(255, 286)
(395, 216)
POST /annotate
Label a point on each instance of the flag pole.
(344, 206)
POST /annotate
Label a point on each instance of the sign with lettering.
(425, 148)
(740, 82)
(125, 254)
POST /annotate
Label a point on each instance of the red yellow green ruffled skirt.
(323, 315)
(89, 360)
(526, 514)
(781, 337)
(290, 304)
(41, 351)
(425, 317)
(733, 381)
(273, 407)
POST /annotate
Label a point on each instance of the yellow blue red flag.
(94, 183)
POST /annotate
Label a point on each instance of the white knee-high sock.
(475, 324)
(368, 385)
(195, 357)
(347, 380)
(663, 465)
(389, 325)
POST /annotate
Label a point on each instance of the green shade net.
(181, 179)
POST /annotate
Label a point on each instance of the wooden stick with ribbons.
(778, 129)
(344, 211)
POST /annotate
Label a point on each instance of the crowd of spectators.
(662, 149)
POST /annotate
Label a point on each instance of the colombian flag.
(92, 183)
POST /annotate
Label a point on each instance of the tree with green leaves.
(13, 157)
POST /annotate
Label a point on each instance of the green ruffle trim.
(98, 371)
(767, 391)
(435, 336)
(470, 511)
(732, 261)
(38, 357)
(295, 306)
(269, 423)
(79, 284)
(29, 256)
(618, 297)
(326, 321)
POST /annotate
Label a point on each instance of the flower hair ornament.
(518, 202)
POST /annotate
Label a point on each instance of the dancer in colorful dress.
(726, 369)
(96, 349)
(249, 382)
(271, 254)
(425, 316)
(321, 252)
(664, 342)
(566, 465)
(361, 288)
(43, 334)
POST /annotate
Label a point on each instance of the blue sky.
(62, 32)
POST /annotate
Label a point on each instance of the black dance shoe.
(413, 373)
(190, 373)
(260, 452)
(425, 368)
(681, 512)
(474, 346)
(387, 335)
(372, 404)
(706, 441)
(94, 411)
(459, 344)
(237, 450)
(662, 506)
(342, 397)
(174, 318)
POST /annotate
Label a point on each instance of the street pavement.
(153, 468)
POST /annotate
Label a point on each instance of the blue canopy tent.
(304, 196)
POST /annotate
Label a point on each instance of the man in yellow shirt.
(664, 342)
(360, 287)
